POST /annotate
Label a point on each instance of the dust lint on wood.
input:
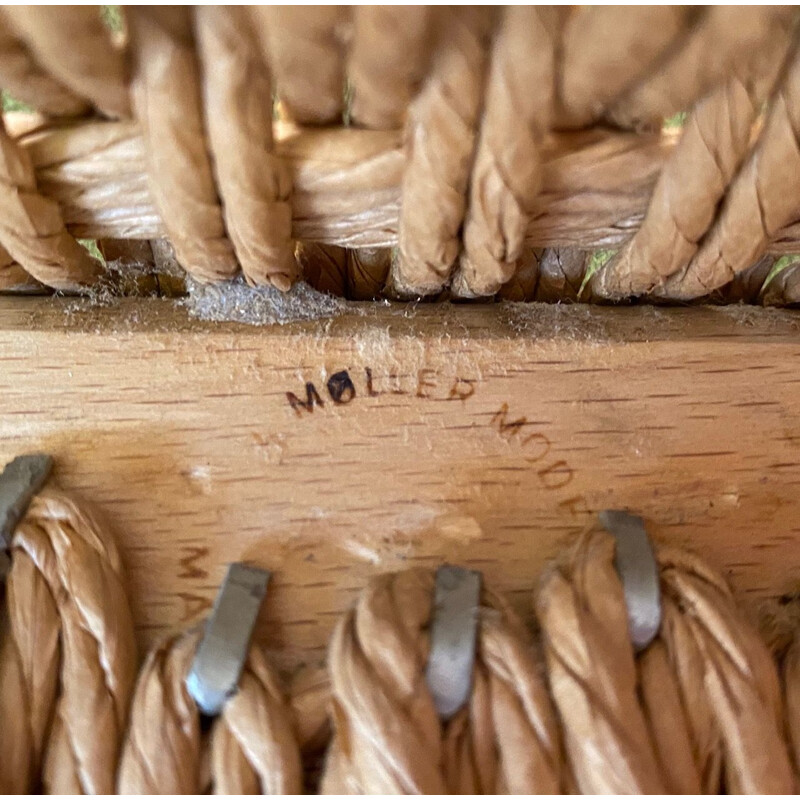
(756, 316)
(568, 321)
(235, 301)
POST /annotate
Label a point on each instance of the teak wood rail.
(332, 450)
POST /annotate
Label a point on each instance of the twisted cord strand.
(478, 137)
(684, 201)
(323, 266)
(736, 674)
(310, 699)
(506, 175)
(561, 274)
(388, 60)
(606, 49)
(389, 57)
(707, 682)
(13, 278)
(521, 286)
(27, 81)
(440, 139)
(387, 734)
(761, 199)
(68, 655)
(306, 51)
(31, 228)
(257, 732)
(694, 179)
(667, 720)
(170, 761)
(252, 747)
(592, 673)
(791, 699)
(254, 185)
(367, 272)
(73, 44)
(166, 93)
(723, 37)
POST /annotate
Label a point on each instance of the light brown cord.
(595, 188)
(67, 654)
(440, 140)
(388, 59)
(708, 681)
(388, 737)
(666, 721)
(684, 202)
(13, 278)
(760, 200)
(306, 51)
(74, 45)
(252, 748)
(256, 732)
(791, 700)
(714, 142)
(506, 175)
(254, 185)
(310, 699)
(482, 132)
(31, 228)
(723, 38)
(699, 710)
(605, 49)
(27, 81)
(310, 696)
(592, 673)
(727, 680)
(166, 91)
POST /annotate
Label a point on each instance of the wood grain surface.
(328, 451)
